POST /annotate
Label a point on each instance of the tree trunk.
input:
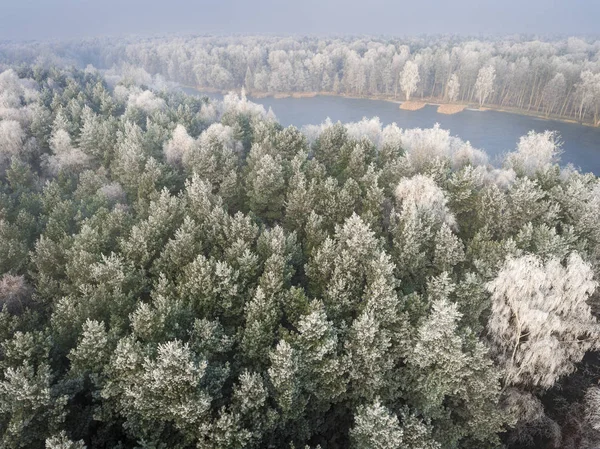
(532, 90)
(562, 110)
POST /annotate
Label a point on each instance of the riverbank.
(443, 108)
(536, 115)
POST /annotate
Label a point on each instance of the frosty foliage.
(420, 194)
(179, 145)
(62, 441)
(129, 74)
(284, 376)
(113, 192)
(557, 76)
(536, 153)
(64, 155)
(178, 272)
(235, 104)
(375, 426)
(209, 112)
(541, 323)
(218, 135)
(424, 146)
(12, 138)
(91, 353)
(17, 96)
(145, 100)
(212, 156)
(484, 86)
(372, 129)
(14, 293)
(10, 90)
(453, 88)
(503, 178)
(312, 132)
(592, 407)
(409, 78)
(164, 388)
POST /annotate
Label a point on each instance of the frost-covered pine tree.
(285, 375)
(319, 362)
(375, 427)
(62, 441)
(370, 363)
(266, 187)
(92, 353)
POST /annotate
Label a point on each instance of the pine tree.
(92, 353)
(375, 426)
(62, 441)
(266, 188)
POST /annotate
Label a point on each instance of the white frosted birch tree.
(453, 88)
(541, 323)
(484, 86)
(409, 78)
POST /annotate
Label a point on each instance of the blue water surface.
(493, 131)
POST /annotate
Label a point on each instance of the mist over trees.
(179, 273)
(558, 78)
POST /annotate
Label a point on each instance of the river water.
(492, 131)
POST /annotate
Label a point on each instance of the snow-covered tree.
(62, 441)
(409, 79)
(179, 146)
(453, 88)
(374, 426)
(554, 92)
(12, 138)
(211, 279)
(536, 153)
(541, 323)
(420, 194)
(484, 86)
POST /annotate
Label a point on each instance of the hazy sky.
(43, 19)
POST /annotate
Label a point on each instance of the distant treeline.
(559, 78)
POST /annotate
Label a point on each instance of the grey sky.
(44, 19)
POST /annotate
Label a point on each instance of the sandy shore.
(304, 94)
(451, 108)
(412, 105)
(259, 94)
(443, 108)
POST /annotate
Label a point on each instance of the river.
(493, 131)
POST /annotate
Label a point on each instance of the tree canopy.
(183, 273)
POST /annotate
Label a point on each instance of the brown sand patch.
(412, 105)
(304, 94)
(451, 108)
(258, 94)
(281, 95)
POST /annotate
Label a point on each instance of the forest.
(557, 78)
(178, 272)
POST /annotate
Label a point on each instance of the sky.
(61, 19)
